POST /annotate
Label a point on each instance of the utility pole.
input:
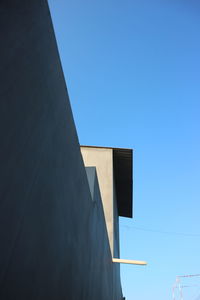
(179, 286)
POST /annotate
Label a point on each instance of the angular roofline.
(102, 147)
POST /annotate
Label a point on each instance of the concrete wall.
(116, 241)
(53, 239)
(94, 188)
(116, 250)
(102, 159)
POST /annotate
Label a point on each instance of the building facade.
(54, 241)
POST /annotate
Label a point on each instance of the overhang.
(123, 178)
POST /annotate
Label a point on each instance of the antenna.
(180, 287)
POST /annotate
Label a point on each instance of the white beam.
(128, 261)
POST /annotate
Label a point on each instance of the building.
(53, 234)
(111, 170)
(114, 172)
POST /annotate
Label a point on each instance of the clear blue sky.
(132, 69)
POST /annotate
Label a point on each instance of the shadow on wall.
(54, 244)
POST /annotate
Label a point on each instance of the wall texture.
(53, 242)
(96, 196)
(102, 159)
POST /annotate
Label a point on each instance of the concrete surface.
(53, 239)
(102, 159)
(95, 190)
(114, 171)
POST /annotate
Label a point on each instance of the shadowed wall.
(53, 241)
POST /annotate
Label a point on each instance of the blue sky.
(132, 69)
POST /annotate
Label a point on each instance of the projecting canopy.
(122, 162)
(123, 166)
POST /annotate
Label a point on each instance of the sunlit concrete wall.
(102, 159)
(54, 244)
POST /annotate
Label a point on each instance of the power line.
(188, 275)
(162, 232)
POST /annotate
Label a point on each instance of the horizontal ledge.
(128, 261)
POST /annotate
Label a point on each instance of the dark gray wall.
(53, 242)
(116, 271)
